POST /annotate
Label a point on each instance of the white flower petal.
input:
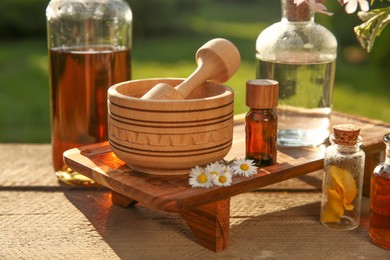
(215, 168)
(197, 172)
(298, 2)
(364, 6)
(351, 6)
(249, 169)
(223, 180)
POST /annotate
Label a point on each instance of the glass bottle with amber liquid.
(343, 178)
(89, 44)
(380, 201)
(261, 121)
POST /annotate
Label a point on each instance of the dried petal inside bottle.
(346, 185)
(341, 193)
(334, 208)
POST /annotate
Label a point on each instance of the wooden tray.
(207, 211)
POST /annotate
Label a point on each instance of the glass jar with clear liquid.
(89, 44)
(301, 55)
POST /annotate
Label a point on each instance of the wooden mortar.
(169, 137)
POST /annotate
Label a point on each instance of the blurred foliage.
(26, 18)
(156, 17)
(22, 18)
(166, 33)
(341, 24)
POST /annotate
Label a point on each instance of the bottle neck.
(387, 155)
(342, 148)
(253, 109)
(348, 148)
(76, 23)
(293, 13)
(386, 140)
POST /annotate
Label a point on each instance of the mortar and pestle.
(166, 126)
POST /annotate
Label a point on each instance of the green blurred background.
(166, 36)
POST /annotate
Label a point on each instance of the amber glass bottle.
(261, 121)
(380, 201)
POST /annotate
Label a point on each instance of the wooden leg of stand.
(121, 200)
(210, 224)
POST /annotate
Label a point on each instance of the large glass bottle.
(343, 178)
(301, 55)
(89, 44)
(380, 201)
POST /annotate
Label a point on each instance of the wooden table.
(207, 211)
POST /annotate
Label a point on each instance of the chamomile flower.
(244, 167)
(200, 178)
(215, 169)
(224, 178)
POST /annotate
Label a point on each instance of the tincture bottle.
(261, 121)
(89, 44)
(343, 178)
(380, 201)
(301, 55)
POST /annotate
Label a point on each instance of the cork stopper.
(346, 134)
(262, 93)
(297, 13)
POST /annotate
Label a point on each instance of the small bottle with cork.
(261, 121)
(380, 201)
(343, 178)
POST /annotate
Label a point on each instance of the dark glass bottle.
(380, 201)
(261, 121)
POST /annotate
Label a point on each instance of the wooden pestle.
(217, 61)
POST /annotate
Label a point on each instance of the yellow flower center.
(202, 178)
(222, 179)
(214, 172)
(244, 167)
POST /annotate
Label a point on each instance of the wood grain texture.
(175, 135)
(206, 211)
(39, 224)
(210, 224)
(39, 219)
(121, 200)
(173, 193)
(83, 224)
(217, 60)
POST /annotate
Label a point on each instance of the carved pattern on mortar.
(174, 140)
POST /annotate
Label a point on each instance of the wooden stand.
(207, 211)
(209, 223)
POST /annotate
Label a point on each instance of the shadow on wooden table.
(264, 224)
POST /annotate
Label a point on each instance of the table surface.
(41, 218)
